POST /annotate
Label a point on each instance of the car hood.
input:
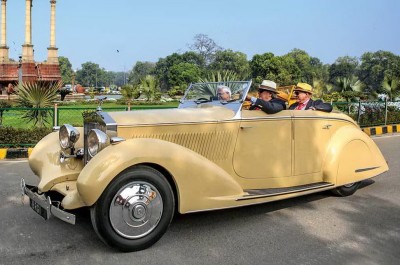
(204, 113)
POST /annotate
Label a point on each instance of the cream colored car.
(135, 169)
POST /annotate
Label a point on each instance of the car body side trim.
(256, 194)
(365, 169)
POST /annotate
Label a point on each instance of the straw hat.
(304, 87)
(268, 86)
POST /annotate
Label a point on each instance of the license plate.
(38, 209)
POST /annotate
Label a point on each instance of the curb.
(9, 153)
(377, 130)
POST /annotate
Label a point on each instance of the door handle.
(326, 126)
(245, 127)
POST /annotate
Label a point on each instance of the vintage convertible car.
(135, 169)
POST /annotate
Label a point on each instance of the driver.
(267, 101)
(224, 93)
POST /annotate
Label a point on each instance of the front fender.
(45, 162)
(352, 156)
(200, 183)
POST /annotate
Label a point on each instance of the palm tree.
(392, 87)
(36, 96)
(349, 88)
(214, 78)
(130, 92)
(148, 86)
(349, 84)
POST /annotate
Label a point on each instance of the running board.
(256, 194)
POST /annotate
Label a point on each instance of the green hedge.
(17, 137)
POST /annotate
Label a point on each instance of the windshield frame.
(207, 95)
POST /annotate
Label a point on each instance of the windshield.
(230, 94)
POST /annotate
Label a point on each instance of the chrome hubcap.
(136, 209)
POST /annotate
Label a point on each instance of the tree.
(119, 78)
(228, 60)
(205, 46)
(140, 70)
(148, 86)
(392, 86)
(164, 65)
(37, 95)
(308, 67)
(92, 75)
(375, 66)
(183, 74)
(352, 83)
(259, 66)
(65, 69)
(220, 76)
(130, 92)
(343, 67)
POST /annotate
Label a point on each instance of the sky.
(116, 34)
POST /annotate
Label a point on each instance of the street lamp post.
(20, 70)
(73, 81)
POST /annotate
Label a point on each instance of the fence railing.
(371, 113)
(366, 113)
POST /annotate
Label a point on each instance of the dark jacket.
(317, 104)
(270, 107)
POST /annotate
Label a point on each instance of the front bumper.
(44, 206)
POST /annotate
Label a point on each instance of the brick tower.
(26, 69)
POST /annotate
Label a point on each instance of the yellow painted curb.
(383, 129)
(3, 153)
(30, 151)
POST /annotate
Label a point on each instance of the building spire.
(27, 48)
(3, 41)
(52, 51)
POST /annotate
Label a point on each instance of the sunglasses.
(298, 92)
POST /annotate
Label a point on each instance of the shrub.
(15, 137)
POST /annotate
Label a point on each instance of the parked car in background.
(135, 169)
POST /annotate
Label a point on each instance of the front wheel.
(135, 210)
(346, 190)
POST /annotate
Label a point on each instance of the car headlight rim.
(97, 140)
(68, 135)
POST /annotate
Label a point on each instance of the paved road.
(316, 229)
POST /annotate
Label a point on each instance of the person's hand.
(248, 98)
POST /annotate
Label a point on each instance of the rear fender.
(352, 156)
(198, 180)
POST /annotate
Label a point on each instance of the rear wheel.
(346, 190)
(135, 210)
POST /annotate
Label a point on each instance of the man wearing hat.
(303, 92)
(267, 100)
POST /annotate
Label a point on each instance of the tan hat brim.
(302, 90)
(270, 89)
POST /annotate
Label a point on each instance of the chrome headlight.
(97, 141)
(68, 136)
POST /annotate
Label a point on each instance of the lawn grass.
(71, 114)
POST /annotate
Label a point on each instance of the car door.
(311, 133)
(264, 145)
